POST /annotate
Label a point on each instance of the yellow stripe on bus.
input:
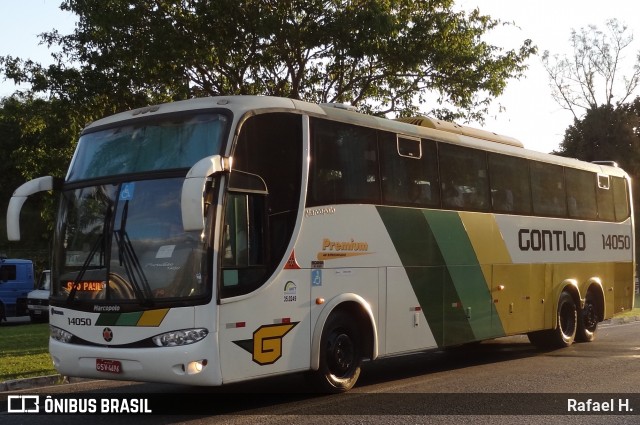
(152, 317)
(485, 238)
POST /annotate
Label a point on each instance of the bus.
(224, 239)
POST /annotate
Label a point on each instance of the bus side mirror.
(41, 184)
(193, 188)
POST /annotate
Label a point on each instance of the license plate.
(109, 366)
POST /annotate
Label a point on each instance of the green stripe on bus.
(129, 319)
(444, 273)
(424, 264)
(107, 319)
(466, 274)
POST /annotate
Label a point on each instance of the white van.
(38, 299)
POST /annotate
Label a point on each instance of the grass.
(633, 312)
(24, 351)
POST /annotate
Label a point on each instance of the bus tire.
(340, 354)
(588, 319)
(565, 332)
(567, 320)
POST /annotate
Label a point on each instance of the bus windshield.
(119, 234)
(125, 242)
(174, 142)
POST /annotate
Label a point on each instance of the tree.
(590, 77)
(606, 133)
(35, 137)
(379, 55)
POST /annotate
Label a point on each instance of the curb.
(621, 320)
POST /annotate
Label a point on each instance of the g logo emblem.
(266, 345)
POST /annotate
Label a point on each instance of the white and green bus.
(224, 239)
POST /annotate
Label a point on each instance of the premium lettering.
(329, 245)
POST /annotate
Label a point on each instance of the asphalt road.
(495, 382)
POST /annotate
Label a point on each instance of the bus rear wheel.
(340, 354)
(588, 319)
(565, 332)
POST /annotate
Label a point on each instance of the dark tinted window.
(604, 194)
(581, 194)
(409, 171)
(7, 272)
(259, 225)
(620, 198)
(547, 189)
(463, 177)
(344, 164)
(510, 187)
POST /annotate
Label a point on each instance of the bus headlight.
(59, 334)
(181, 337)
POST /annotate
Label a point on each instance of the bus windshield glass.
(125, 242)
(171, 143)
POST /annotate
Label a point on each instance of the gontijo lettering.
(551, 240)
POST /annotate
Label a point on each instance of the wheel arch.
(594, 286)
(359, 308)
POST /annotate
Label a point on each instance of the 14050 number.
(616, 242)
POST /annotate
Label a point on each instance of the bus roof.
(242, 106)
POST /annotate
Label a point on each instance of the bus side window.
(581, 194)
(510, 187)
(606, 210)
(548, 189)
(620, 198)
(409, 171)
(463, 174)
(243, 245)
(344, 164)
(269, 148)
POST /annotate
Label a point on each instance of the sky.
(530, 114)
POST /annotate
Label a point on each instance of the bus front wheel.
(340, 354)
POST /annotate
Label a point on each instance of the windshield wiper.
(129, 259)
(100, 242)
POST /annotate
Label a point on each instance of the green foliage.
(380, 55)
(606, 133)
(37, 139)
